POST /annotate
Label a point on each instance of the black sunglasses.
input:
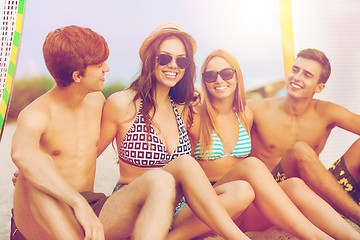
(182, 62)
(225, 74)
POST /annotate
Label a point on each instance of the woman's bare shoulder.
(121, 104)
(121, 99)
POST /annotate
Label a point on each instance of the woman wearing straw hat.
(146, 122)
(223, 154)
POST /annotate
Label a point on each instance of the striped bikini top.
(151, 153)
(242, 147)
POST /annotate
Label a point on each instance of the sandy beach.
(106, 176)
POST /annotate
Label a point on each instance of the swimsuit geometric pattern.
(146, 150)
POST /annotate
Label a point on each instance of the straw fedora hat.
(167, 27)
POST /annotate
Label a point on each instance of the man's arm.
(340, 117)
(39, 168)
(36, 166)
(253, 108)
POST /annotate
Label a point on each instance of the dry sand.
(106, 176)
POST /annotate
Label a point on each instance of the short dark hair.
(320, 57)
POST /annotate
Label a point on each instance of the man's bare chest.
(71, 137)
(281, 132)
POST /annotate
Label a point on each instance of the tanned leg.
(352, 160)
(301, 161)
(142, 210)
(235, 196)
(201, 197)
(319, 212)
(271, 200)
(39, 216)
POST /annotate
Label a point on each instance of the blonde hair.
(208, 120)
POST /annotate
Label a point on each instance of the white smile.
(170, 74)
(294, 85)
(221, 87)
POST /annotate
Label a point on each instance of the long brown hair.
(208, 120)
(145, 84)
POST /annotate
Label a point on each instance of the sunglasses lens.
(227, 73)
(182, 62)
(164, 59)
(209, 76)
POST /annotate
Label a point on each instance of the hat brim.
(150, 39)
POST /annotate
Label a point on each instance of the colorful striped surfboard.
(11, 14)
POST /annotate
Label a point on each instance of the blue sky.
(248, 29)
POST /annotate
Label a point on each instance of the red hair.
(70, 49)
